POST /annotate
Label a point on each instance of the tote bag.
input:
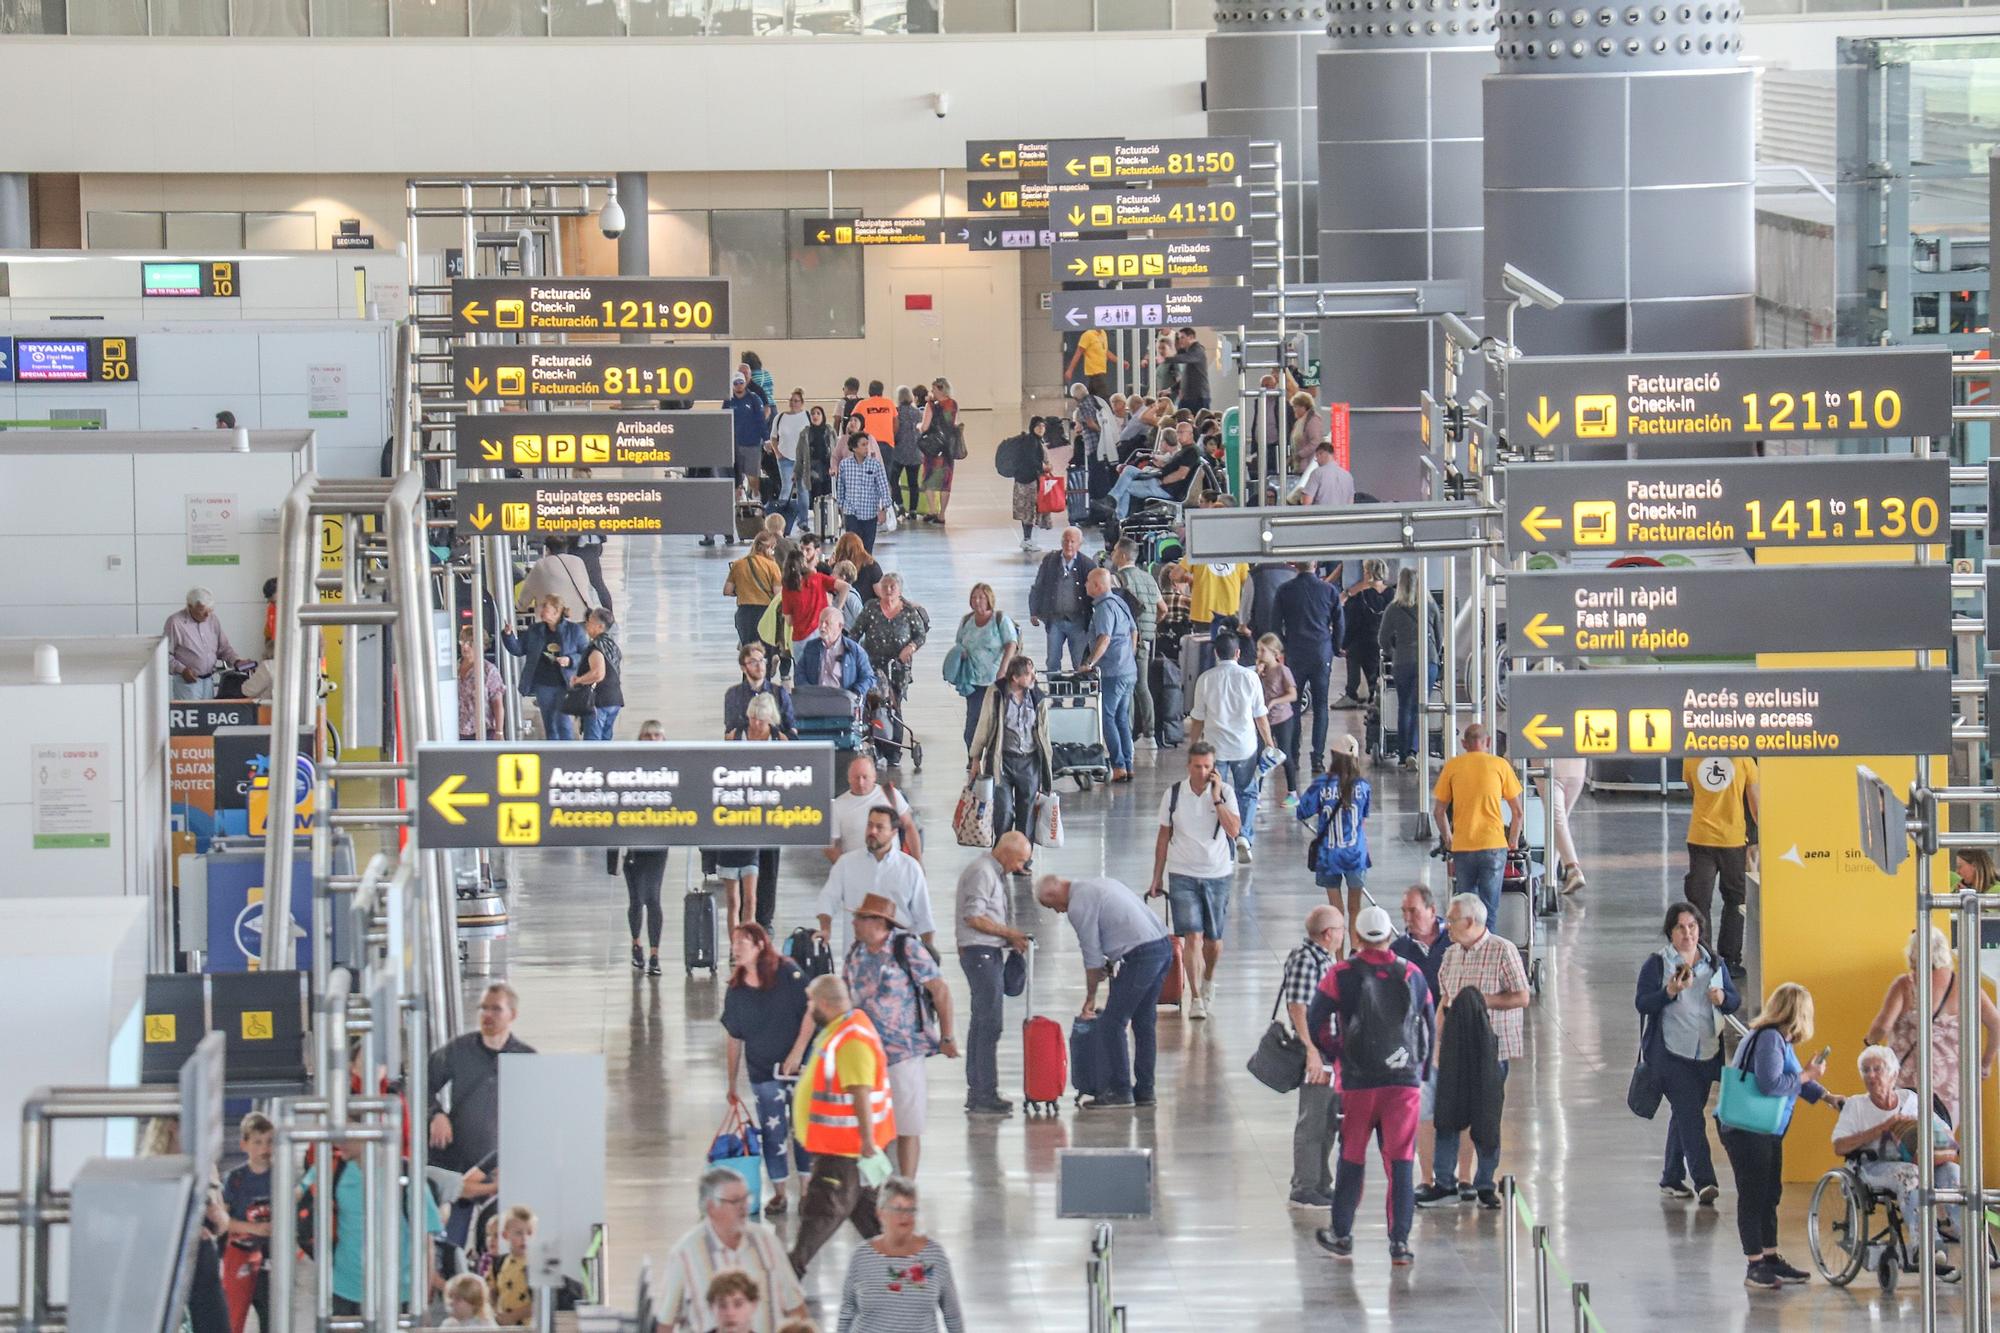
(1051, 495)
(1743, 1105)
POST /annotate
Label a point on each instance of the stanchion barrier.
(1550, 1275)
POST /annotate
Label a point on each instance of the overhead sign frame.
(703, 438)
(576, 372)
(1333, 531)
(586, 304)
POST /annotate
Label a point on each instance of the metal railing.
(1106, 1315)
(1582, 1315)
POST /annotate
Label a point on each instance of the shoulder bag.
(1643, 1092)
(1743, 1106)
(1279, 1062)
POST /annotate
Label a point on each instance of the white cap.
(1373, 926)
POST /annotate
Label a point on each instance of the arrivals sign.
(590, 370)
(1726, 612)
(1152, 308)
(1161, 159)
(1029, 157)
(677, 508)
(1141, 259)
(1776, 502)
(590, 305)
(1182, 206)
(582, 794)
(1760, 712)
(887, 231)
(1713, 397)
(595, 439)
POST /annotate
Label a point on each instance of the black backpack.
(307, 1227)
(1378, 1036)
(808, 948)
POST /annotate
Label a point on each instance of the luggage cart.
(1076, 727)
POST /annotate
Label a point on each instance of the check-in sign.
(590, 305)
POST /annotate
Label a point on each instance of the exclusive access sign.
(1776, 502)
(681, 508)
(590, 305)
(580, 794)
(1713, 397)
(1748, 711)
(1152, 308)
(589, 370)
(1727, 612)
(594, 439)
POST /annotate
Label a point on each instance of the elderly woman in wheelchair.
(1877, 1134)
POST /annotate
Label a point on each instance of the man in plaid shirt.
(1491, 965)
(861, 489)
(1319, 1099)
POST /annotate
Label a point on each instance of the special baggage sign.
(675, 508)
(1727, 502)
(594, 439)
(1752, 711)
(590, 305)
(581, 794)
(593, 370)
(1712, 397)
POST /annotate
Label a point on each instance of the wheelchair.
(1853, 1225)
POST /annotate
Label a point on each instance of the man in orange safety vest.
(842, 1113)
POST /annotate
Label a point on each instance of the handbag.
(1743, 1105)
(579, 701)
(1014, 974)
(1643, 1092)
(738, 1147)
(1051, 495)
(1279, 1062)
(972, 821)
(1048, 825)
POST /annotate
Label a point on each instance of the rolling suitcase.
(749, 520)
(698, 927)
(1169, 709)
(1078, 482)
(1086, 1059)
(1519, 888)
(1044, 1060)
(1171, 984)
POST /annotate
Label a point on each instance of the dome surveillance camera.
(612, 220)
(940, 105)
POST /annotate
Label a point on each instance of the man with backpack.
(1194, 854)
(893, 980)
(1372, 1014)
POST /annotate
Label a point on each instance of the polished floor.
(1223, 1250)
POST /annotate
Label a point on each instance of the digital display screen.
(170, 279)
(51, 360)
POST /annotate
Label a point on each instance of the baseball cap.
(738, 379)
(1373, 926)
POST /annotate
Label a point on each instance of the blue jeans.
(974, 702)
(864, 528)
(786, 503)
(1481, 873)
(1314, 680)
(1118, 719)
(1444, 1157)
(983, 965)
(1134, 1000)
(1242, 775)
(774, 1124)
(1131, 486)
(556, 724)
(598, 726)
(1075, 634)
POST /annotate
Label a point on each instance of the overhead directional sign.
(1332, 531)
(887, 231)
(584, 794)
(593, 370)
(590, 305)
(1017, 233)
(1754, 711)
(1160, 159)
(1029, 157)
(1161, 257)
(1724, 612)
(1155, 308)
(1007, 195)
(674, 508)
(1711, 397)
(1176, 206)
(595, 439)
(1727, 502)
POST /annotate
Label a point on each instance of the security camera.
(1459, 331)
(1526, 289)
(612, 220)
(940, 105)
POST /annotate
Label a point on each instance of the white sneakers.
(1242, 851)
(1195, 1007)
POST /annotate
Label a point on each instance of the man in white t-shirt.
(1229, 714)
(1198, 821)
(851, 807)
(878, 866)
(1877, 1121)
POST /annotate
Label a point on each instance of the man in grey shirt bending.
(983, 938)
(1120, 937)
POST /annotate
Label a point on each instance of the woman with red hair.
(769, 1026)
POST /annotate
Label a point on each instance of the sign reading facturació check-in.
(579, 794)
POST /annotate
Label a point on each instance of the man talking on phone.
(1195, 854)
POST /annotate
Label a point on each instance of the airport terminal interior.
(997, 664)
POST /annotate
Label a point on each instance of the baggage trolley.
(1076, 727)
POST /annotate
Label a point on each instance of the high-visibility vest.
(832, 1126)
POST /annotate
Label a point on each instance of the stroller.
(890, 734)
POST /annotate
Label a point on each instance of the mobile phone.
(1824, 1051)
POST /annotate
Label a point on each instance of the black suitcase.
(698, 931)
(1078, 483)
(1169, 725)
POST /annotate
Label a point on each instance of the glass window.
(677, 244)
(107, 18)
(748, 247)
(665, 18)
(429, 18)
(823, 18)
(746, 18)
(827, 298)
(979, 15)
(1135, 15)
(267, 18)
(46, 18)
(350, 18)
(108, 230)
(204, 231)
(1054, 16)
(586, 18)
(882, 17)
(280, 231)
(1194, 15)
(508, 18)
(191, 18)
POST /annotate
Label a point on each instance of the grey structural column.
(634, 248)
(1399, 201)
(1619, 171)
(1261, 84)
(14, 213)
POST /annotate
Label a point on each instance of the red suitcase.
(1044, 1055)
(1170, 988)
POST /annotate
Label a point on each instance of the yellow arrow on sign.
(1537, 524)
(1076, 216)
(986, 159)
(823, 233)
(492, 450)
(1539, 732)
(448, 799)
(1078, 266)
(1074, 167)
(477, 381)
(1542, 420)
(472, 311)
(482, 517)
(1541, 629)
(986, 200)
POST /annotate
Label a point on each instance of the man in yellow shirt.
(1094, 352)
(1216, 590)
(1466, 803)
(1719, 845)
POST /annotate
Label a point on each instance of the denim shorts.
(1334, 879)
(735, 862)
(1199, 906)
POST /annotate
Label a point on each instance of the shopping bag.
(1051, 495)
(972, 821)
(738, 1146)
(1744, 1105)
(1048, 823)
